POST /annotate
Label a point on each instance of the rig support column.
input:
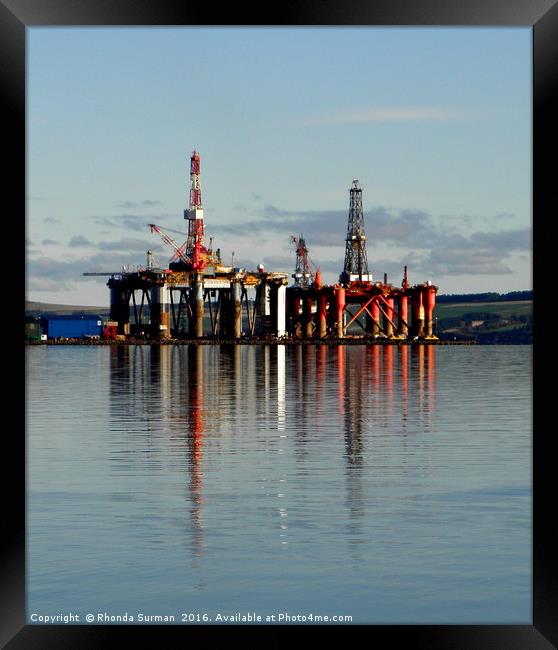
(418, 313)
(237, 308)
(160, 311)
(429, 300)
(322, 315)
(198, 305)
(281, 307)
(119, 307)
(388, 327)
(296, 325)
(403, 316)
(340, 304)
(224, 311)
(307, 316)
(263, 307)
(273, 308)
(375, 310)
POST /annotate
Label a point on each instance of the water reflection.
(281, 388)
(300, 401)
(321, 372)
(431, 381)
(341, 391)
(388, 378)
(423, 362)
(355, 412)
(276, 397)
(194, 443)
(259, 477)
(375, 391)
(404, 365)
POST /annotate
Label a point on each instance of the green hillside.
(504, 309)
(509, 322)
(38, 308)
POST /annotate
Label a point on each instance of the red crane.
(302, 275)
(178, 251)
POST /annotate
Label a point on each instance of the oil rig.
(318, 311)
(198, 297)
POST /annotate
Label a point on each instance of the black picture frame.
(542, 16)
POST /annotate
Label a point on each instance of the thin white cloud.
(393, 114)
(79, 240)
(47, 284)
(136, 204)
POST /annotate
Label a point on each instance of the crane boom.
(178, 250)
(302, 275)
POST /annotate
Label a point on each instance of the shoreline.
(290, 342)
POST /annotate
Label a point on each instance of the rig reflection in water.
(211, 402)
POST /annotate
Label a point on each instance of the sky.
(435, 123)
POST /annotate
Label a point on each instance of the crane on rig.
(180, 258)
(303, 275)
(178, 250)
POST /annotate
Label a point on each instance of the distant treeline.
(485, 297)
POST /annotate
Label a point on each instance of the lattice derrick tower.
(356, 263)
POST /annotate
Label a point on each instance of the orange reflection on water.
(196, 420)
(404, 362)
(431, 352)
(341, 382)
(418, 351)
(374, 362)
(321, 361)
(387, 376)
(425, 358)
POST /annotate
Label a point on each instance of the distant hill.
(39, 308)
(484, 297)
(496, 321)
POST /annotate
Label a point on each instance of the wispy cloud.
(328, 227)
(505, 215)
(130, 244)
(406, 228)
(136, 204)
(134, 222)
(390, 114)
(54, 272)
(434, 249)
(37, 283)
(439, 263)
(79, 240)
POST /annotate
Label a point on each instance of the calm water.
(391, 485)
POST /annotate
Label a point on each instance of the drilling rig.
(355, 268)
(195, 246)
(193, 254)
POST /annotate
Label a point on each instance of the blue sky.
(434, 122)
